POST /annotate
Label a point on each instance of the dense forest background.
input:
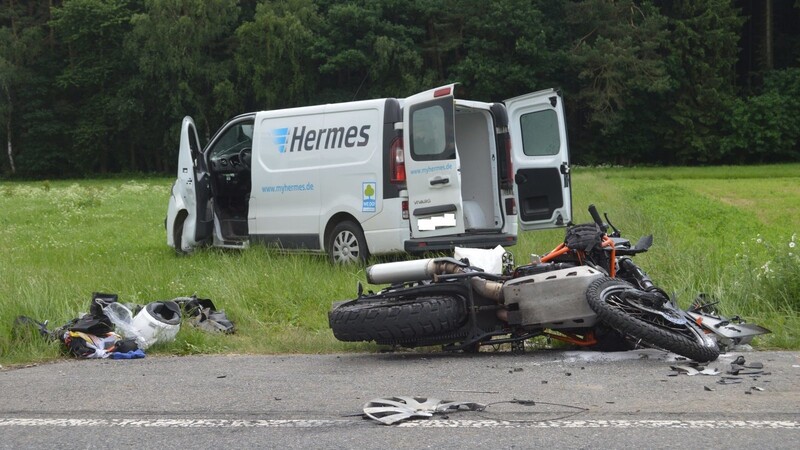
(100, 86)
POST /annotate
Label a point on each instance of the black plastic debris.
(23, 322)
(739, 366)
(203, 314)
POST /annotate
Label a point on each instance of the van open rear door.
(432, 176)
(191, 192)
(541, 159)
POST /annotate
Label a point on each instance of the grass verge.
(724, 231)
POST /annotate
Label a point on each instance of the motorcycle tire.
(393, 321)
(687, 340)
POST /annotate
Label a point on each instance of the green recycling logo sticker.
(368, 201)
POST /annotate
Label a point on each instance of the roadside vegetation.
(101, 86)
(731, 232)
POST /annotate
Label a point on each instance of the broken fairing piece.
(685, 369)
(729, 332)
(692, 371)
(395, 409)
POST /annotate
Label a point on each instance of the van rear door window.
(432, 136)
(540, 133)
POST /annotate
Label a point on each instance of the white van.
(424, 173)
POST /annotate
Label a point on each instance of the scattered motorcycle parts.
(395, 409)
(729, 332)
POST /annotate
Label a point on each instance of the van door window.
(540, 133)
(432, 135)
(232, 150)
(234, 139)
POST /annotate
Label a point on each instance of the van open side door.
(432, 175)
(191, 193)
(541, 159)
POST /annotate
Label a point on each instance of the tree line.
(101, 86)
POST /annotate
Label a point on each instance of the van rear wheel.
(347, 244)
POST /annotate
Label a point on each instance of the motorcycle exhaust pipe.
(426, 269)
(400, 272)
(414, 270)
(488, 289)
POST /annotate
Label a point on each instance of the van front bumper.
(450, 242)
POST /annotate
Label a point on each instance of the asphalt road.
(543, 398)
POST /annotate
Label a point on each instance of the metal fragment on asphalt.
(396, 409)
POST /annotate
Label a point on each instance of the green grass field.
(727, 231)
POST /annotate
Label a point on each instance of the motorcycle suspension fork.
(642, 279)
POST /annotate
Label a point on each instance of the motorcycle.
(587, 292)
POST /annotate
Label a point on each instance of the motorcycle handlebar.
(596, 217)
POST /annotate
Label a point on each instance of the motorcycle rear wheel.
(394, 321)
(604, 297)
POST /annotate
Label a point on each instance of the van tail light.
(511, 206)
(397, 162)
(405, 209)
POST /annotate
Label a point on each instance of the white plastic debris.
(490, 260)
(691, 371)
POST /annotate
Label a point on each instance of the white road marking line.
(707, 424)
(321, 423)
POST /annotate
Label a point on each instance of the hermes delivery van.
(424, 173)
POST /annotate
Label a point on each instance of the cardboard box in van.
(424, 173)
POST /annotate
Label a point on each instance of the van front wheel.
(346, 244)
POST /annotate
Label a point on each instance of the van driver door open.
(433, 181)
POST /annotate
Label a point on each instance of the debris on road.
(392, 410)
(739, 368)
(691, 371)
(123, 331)
(395, 409)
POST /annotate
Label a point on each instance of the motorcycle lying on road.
(587, 292)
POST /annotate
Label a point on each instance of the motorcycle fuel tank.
(555, 300)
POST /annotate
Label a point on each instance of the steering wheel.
(246, 156)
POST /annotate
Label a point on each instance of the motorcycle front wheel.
(616, 304)
(392, 321)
